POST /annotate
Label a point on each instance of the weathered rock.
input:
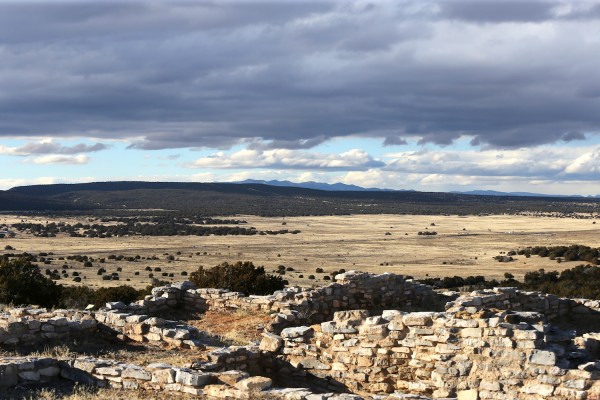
(271, 342)
(291, 333)
(8, 375)
(254, 383)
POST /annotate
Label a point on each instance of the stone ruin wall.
(554, 308)
(472, 356)
(352, 290)
(473, 350)
(231, 384)
(30, 326)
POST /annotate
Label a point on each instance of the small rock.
(254, 384)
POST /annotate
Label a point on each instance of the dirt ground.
(377, 243)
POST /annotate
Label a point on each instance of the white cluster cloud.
(60, 159)
(355, 159)
(529, 162)
(46, 151)
(587, 163)
(545, 162)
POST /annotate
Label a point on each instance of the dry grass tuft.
(61, 351)
(233, 327)
(88, 393)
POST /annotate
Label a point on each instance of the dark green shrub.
(22, 283)
(76, 297)
(125, 293)
(239, 277)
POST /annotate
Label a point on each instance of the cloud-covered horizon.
(267, 85)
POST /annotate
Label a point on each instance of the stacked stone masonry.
(487, 355)
(491, 344)
(29, 326)
(551, 306)
(294, 305)
(153, 377)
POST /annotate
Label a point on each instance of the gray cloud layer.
(293, 74)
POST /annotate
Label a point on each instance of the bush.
(125, 293)
(76, 297)
(239, 277)
(21, 283)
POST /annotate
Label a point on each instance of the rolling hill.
(268, 200)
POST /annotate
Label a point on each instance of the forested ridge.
(258, 199)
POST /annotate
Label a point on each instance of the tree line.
(142, 229)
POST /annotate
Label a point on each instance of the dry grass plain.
(464, 246)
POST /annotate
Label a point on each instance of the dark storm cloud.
(394, 141)
(571, 136)
(498, 11)
(294, 74)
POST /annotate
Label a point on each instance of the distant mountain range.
(353, 188)
(519, 194)
(338, 187)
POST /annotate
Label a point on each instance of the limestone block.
(493, 386)
(254, 383)
(300, 331)
(418, 318)
(116, 305)
(396, 323)
(76, 375)
(232, 377)
(193, 378)
(130, 384)
(165, 375)
(542, 357)
(571, 394)
(270, 342)
(29, 375)
(470, 394)
(135, 372)
(50, 371)
(471, 332)
(535, 388)
(351, 317)
(313, 363)
(110, 371)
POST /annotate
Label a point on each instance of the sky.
(426, 95)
